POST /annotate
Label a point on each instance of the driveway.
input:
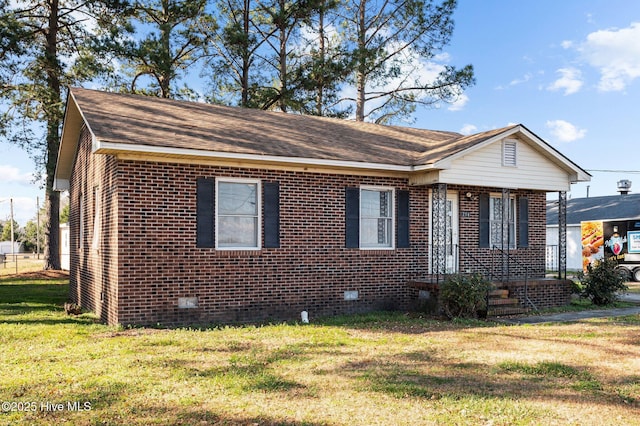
(577, 316)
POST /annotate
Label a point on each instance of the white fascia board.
(146, 149)
(579, 174)
(61, 184)
(69, 139)
(439, 165)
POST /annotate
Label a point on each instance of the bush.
(601, 282)
(464, 296)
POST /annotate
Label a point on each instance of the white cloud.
(459, 103)
(615, 53)
(570, 81)
(468, 129)
(522, 80)
(13, 175)
(24, 209)
(565, 131)
(566, 44)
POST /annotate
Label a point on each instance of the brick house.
(195, 213)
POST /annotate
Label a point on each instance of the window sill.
(238, 252)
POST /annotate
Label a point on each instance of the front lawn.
(385, 368)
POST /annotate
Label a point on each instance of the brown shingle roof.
(162, 123)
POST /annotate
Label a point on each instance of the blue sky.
(569, 70)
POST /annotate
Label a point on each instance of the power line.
(613, 171)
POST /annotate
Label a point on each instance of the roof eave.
(109, 147)
(71, 128)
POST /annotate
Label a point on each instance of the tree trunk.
(283, 56)
(361, 78)
(166, 71)
(52, 201)
(246, 59)
(321, 67)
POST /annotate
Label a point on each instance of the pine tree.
(233, 53)
(43, 51)
(177, 36)
(387, 40)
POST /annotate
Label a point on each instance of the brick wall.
(159, 260)
(542, 293)
(147, 257)
(93, 268)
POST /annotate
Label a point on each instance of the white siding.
(574, 245)
(484, 167)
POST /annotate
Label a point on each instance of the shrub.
(601, 282)
(464, 296)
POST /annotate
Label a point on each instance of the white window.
(495, 222)
(238, 214)
(376, 217)
(509, 153)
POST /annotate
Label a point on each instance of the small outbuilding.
(624, 207)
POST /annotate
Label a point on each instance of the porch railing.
(506, 267)
(502, 266)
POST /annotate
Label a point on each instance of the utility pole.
(13, 251)
(38, 227)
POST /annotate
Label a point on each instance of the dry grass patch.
(634, 287)
(387, 369)
(20, 264)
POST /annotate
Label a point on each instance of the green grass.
(381, 368)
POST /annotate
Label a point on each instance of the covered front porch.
(499, 234)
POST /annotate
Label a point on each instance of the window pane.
(237, 198)
(370, 203)
(496, 234)
(495, 221)
(237, 231)
(376, 218)
(375, 232)
(375, 203)
(496, 209)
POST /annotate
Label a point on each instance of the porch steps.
(500, 304)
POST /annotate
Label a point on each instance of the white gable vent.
(509, 153)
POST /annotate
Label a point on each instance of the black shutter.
(483, 214)
(352, 217)
(403, 219)
(271, 215)
(523, 222)
(205, 212)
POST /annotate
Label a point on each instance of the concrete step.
(507, 310)
(503, 302)
(501, 293)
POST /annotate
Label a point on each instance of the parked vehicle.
(617, 239)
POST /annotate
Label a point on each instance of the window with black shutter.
(403, 219)
(271, 215)
(523, 222)
(205, 213)
(352, 217)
